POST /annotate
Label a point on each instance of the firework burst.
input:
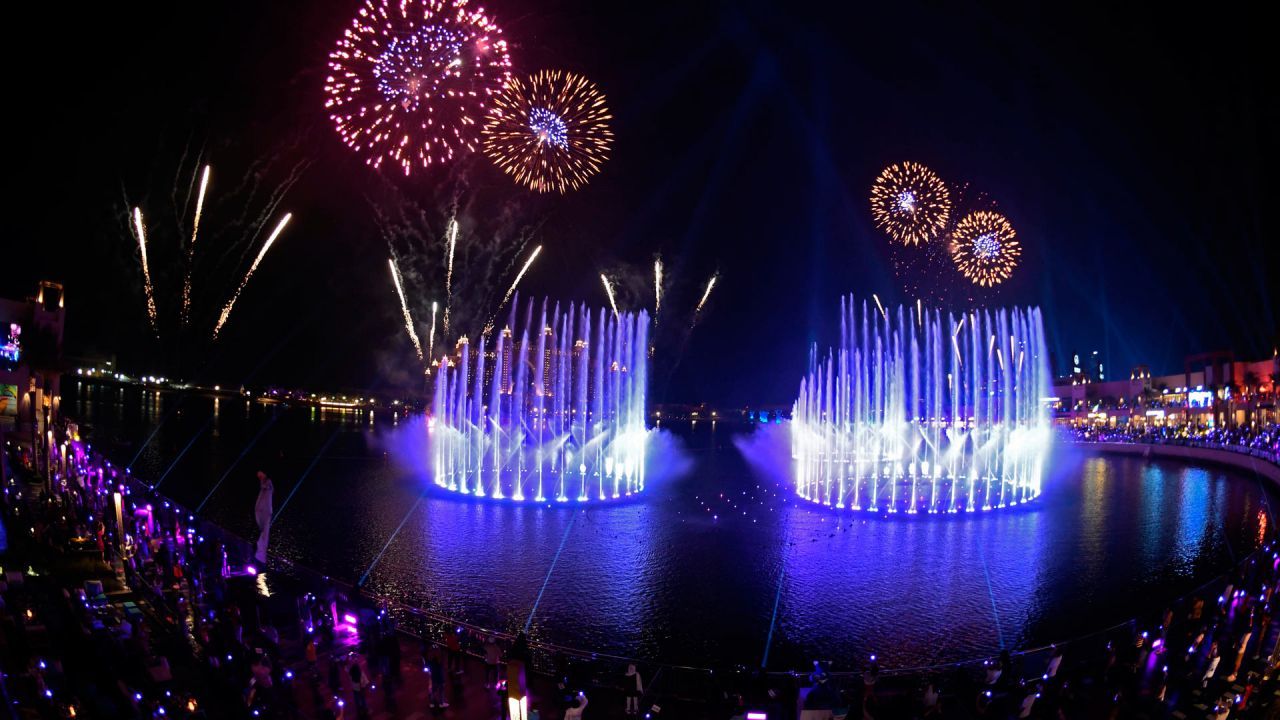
(985, 248)
(910, 203)
(550, 132)
(410, 80)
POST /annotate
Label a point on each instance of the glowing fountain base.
(552, 411)
(920, 412)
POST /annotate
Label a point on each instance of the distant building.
(1213, 390)
(31, 365)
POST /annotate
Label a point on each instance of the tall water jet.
(917, 411)
(547, 410)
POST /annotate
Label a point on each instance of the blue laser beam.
(305, 473)
(550, 570)
(190, 442)
(233, 465)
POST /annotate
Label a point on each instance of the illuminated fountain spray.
(917, 411)
(554, 409)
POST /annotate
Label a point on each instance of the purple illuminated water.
(690, 572)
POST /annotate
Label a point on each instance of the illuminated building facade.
(1213, 390)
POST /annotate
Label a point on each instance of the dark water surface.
(718, 563)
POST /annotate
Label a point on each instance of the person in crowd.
(822, 695)
(359, 686)
(931, 705)
(994, 671)
(1029, 697)
(436, 670)
(262, 514)
(870, 677)
(492, 661)
(335, 674)
(574, 712)
(1055, 663)
(453, 646)
(1212, 667)
(632, 688)
(1241, 646)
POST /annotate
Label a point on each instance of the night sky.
(1133, 154)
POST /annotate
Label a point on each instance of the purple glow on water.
(1110, 538)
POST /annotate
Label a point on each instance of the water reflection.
(691, 573)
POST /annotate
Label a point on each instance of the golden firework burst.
(550, 131)
(910, 203)
(985, 248)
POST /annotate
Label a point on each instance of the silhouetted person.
(262, 513)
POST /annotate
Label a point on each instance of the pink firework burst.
(410, 81)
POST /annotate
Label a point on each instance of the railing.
(1262, 453)
(592, 669)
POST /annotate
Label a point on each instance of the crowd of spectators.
(1257, 440)
(157, 615)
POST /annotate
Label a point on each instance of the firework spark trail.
(191, 247)
(511, 290)
(226, 311)
(705, 294)
(877, 299)
(448, 273)
(657, 287)
(404, 308)
(608, 288)
(255, 223)
(146, 269)
(431, 338)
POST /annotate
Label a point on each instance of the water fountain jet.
(920, 412)
(557, 417)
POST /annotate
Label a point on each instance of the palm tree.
(1251, 380)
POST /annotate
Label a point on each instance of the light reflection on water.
(691, 572)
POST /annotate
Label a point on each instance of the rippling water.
(718, 563)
